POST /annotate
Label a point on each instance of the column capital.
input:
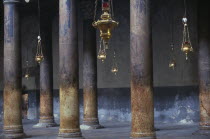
(11, 1)
(87, 8)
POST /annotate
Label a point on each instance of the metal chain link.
(112, 9)
(96, 5)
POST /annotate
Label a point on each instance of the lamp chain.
(185, 8)
(112, 9)
(96, 5)
(39, 17)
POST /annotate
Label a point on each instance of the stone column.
(46, 72)
(142, 106)
(204, 63)
(12, 71)
(90, 120)
(68, 66)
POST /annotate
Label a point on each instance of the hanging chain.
(39, 18)
(112, 9)
(172, 27)
(96, 5)
(185, 9)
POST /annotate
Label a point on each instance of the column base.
(90, 123)
(13, 132)
(139, 135)
(14, 136)
(204, 126)
(75, 135)
(90, 127)
(45, 123)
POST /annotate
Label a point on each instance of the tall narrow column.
(12, 71)
(46, 73)
(204, 63)
(69, 85)
(141, 69)
(90, 120)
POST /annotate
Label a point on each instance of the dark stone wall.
(172, 104)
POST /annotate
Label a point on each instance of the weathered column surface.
(142, 106)
(90, 120)
(69, 85)
(204, 63)
(12, 71)
(46, 73)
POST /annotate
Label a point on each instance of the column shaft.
(46, 74)
(12, 72)
(90, 76)
(142, 106)
(69, 85)
(204, 64)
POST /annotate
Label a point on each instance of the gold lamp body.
(102, 55)
(39, 58)
(27, 76)
(172, 64)
(187, 48)
(106, 24)
(114, 70)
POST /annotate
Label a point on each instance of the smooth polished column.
(204, 63)
(90, 77)
(46, 73)
(69, 77)
(90, 120)
(12, 71)
(142, 106)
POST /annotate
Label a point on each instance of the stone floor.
(120, 131)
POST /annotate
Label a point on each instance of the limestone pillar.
(90, 120)
(68, 57)
(142, 106)
(46, 72)
(12, 71)
(204, 63)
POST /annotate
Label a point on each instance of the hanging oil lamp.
(27, 75)
(101, 53)
(39, 54)
(106, 24)
(114, 66)
(172, 62)
(186, 44)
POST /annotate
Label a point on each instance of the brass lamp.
(186, 44)
(102, 55)
(39, 55)
(106, 24)
(114, 66)
(27, 75)
(114, 70)
(172, 64)
(186, 48)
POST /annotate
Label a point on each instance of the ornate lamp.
(27, 75)
(39, 54)
(172, 62)
(101, 53)
(106, 24)
(186, 44)
(114, 66)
